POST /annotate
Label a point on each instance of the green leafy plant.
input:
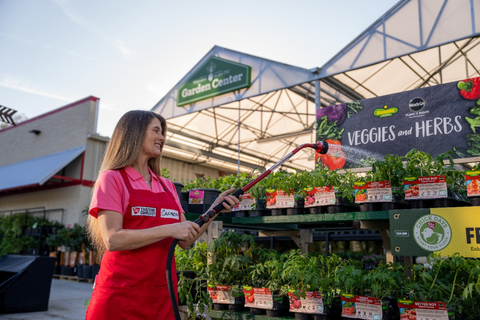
(454, 280)
(191, 289)
(342, 182)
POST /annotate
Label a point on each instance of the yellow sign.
(464, 224)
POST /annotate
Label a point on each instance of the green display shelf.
(216, 314)
(313, 218)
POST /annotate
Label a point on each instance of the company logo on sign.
(432, 232)
(169, 213)
(416, 104)
(385, 111)
(144, 211)
(215, 77)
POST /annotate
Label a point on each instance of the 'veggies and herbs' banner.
(434, 120)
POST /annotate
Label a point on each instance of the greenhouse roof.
(415, 44)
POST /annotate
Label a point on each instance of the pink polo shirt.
(112, 194)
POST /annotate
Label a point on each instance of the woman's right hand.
(184, 231)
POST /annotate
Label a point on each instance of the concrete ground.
(67, 302)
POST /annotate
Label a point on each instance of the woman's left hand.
(230, 201)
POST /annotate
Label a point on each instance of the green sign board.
(215, 77)
(419, 232)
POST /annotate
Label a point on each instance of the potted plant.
(275, 185)
(453, 280)
(258, 191)
(315, 183)
(372, 261)
(303, 278)
(268, 275)
(231, 257)
(342, 183)
(191, 274)
(391, 169)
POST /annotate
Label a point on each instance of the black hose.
(171, 289)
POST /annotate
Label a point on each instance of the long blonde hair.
(123, 150)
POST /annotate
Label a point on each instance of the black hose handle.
(219, 207)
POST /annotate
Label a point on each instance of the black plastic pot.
(87, 271)
(238, 305)
(420, 204)
(302, 316)
(317, 210)
(193, 290)
(328, 313)
(178, 187)
(220, 306)
(257, 311)
(279, 212)
(294, 211)
(95, 270)
(475, 201)
(255, 213)
(390, 309)
(184, 200)
(298, 208)
(240, 213)
(280, 306)
(209, 196)
(260, 204)
(370, 206)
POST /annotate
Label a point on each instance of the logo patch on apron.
(169, 213)
(144, 211)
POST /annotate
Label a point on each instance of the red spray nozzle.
(321, 147)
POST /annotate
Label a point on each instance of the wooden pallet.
(72, 278)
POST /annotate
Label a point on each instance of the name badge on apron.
(169, 213)
(144, 211)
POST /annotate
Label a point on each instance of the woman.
(134, 216)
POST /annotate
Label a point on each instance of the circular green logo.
(432, 232)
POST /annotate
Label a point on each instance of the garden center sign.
(433, 119)
(215, 77)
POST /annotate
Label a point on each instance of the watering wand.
(320, 147)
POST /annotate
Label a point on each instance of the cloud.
(64, 5)
(124, 49)
(25, 87)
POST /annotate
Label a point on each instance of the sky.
(130, 54)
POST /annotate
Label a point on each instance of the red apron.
(132, 284)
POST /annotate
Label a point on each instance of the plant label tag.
(320, 196)
(311, 304)
(221, 294)
(472, 180)
(260, 298)
(375, 191)
(422, 310)
(195, 197)
(433, 187)
(360, 307)
(246, 204)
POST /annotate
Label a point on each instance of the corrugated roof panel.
(37, 171)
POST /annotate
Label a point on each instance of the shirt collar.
(134, 175)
